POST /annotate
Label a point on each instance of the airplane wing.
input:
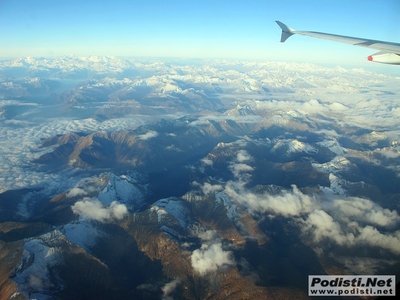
(389, 52)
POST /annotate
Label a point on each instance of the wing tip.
(286, 31)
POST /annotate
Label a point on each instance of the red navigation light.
(370, 58)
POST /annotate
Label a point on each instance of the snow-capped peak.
(294, 146)
(123, 189)
(39, 255)
(333, 145)
(339, 163)
(176, 207)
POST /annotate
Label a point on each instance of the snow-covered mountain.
(121, 178)
(66, 64)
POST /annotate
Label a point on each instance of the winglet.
(286, 31)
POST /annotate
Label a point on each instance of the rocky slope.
(252, 176)
(209, 209)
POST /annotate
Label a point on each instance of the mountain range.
(193, 180)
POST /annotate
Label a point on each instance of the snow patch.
(40, 254)
(297, 146)
(334, 146)
(339, 163)
(123, 189)
(335, 187)
(82, 233)
(232, 210)
(178, 209)
(294, 146)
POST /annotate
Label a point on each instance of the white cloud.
(389, 152)
(238, 169)
(208, 235)
(346, 221)
(396, 111)
(207, 161)
(118, 210)
(322, 226)
(364, 99)
(286, 203)
(4, 103)
(148, 135)
(371, 236)
(91, 208)
(169, 287)
(173, 148)
(210, 258)
(205, 120)
(363, 210)
(312, 106)
(19, 146)
(382, 217)
(243, 156)
(76, 191)
(20, 123)
(337, 106)
(211, 189)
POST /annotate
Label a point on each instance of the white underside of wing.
(374, 44)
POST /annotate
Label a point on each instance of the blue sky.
(236, 29)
